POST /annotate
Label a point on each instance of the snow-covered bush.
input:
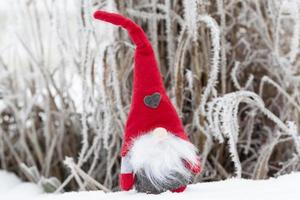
(230, 67)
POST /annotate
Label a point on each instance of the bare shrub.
(230, 67)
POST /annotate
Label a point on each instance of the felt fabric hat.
(150, 107)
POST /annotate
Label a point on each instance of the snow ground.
(283, 188)
(11, 188)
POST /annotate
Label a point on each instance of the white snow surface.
(11, 188)
(283, 188)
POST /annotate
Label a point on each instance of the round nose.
(160, 132)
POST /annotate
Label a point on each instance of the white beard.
(159, 158)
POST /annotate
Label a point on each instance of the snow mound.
(285, 187)
(11, 188)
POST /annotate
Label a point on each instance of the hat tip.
(97, 14)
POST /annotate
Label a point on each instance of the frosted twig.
(213, 75)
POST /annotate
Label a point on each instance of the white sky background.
(16, 22)
(4, 10)
(9, 13)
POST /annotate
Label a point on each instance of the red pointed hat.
(150, 107)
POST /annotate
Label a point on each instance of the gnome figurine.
(156, 153)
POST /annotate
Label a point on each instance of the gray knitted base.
(144, 185)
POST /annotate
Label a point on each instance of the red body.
(147, 81)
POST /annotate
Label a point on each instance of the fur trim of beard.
(158, 162)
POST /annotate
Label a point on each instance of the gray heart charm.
(153, 100)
